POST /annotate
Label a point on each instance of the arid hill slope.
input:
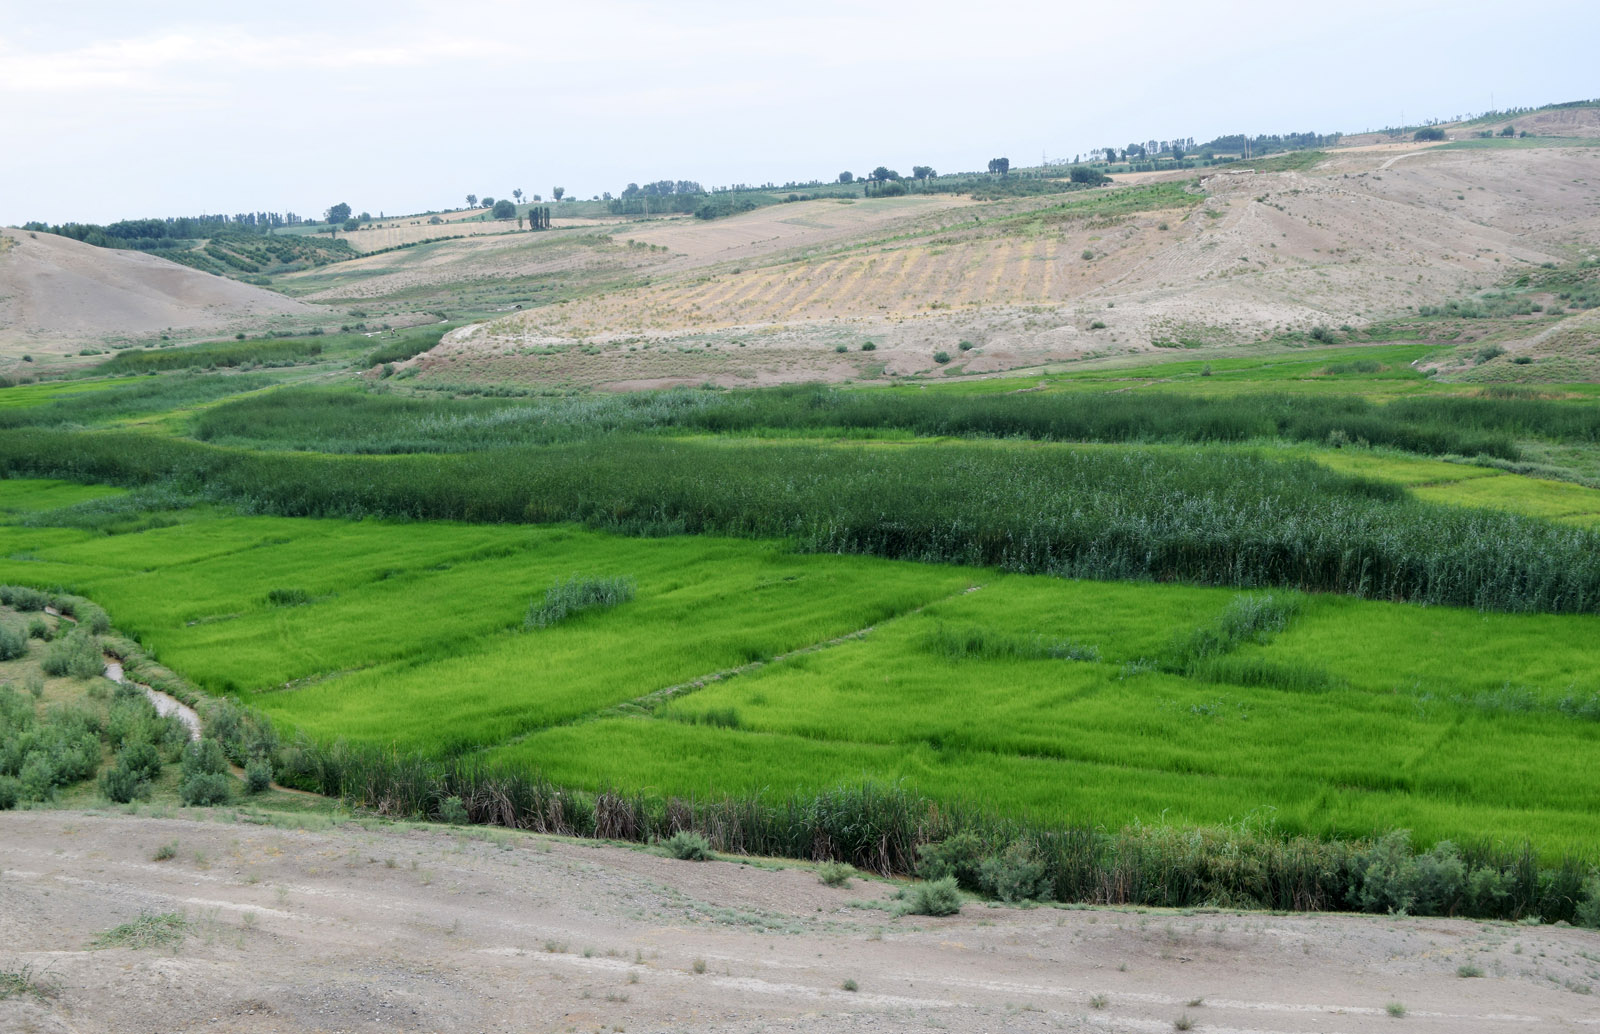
(1364, 235)
(57, 293)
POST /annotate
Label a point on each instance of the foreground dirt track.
(396, 929)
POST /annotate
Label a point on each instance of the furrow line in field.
(647, 702)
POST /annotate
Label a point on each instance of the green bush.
(23, 598)
(835, 874)
(258, 775)
(689, 847)
(1016, 874)
(959, 857)
(39, 628)
(204, 789)
(869, 347)
(1428, 133)
(77, 655)
(13, 644)
(10, 792)
(941, 357)
(934, 898)
(1587, 914)
(141, 759)
(204, 757)
(452, 811)
(121, 784)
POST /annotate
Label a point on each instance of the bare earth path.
(396, 929)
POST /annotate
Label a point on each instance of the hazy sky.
(165, 107)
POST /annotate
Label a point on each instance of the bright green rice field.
(1357, 717)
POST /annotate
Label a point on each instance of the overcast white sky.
(173, 107)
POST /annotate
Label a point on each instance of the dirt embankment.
(395, 929)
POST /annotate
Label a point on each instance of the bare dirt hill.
(57, 294)
(394, 929)
(1367, 234)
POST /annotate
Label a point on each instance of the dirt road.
(398, 929)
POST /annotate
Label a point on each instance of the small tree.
(847, 177)
(1000, 165)
(557, 192)
(517, 193)
(504, 209)
(472, 201)
(923, 172)
(1428, 133)
(337, 213)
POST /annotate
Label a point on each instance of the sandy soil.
(56, 293)
(421, 930)
(1366, 235)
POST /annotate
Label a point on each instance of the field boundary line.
(644, 705)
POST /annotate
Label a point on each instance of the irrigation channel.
(164, 703)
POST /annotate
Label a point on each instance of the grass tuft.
(150, 930)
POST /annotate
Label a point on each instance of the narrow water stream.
(165, 704)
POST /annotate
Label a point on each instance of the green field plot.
(1357, 716)
(1459, 484)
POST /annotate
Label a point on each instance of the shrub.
(13, 644)
(33, 684)
(1323, 334)
(121, 785)
(452, 811)
(1428, 133)
(1097, 325)
(204, 789)
(1587, 914)
(1468, 970)
(868, 346)
(841, 348)
(941, 357)
(23, 598)
(37, 776)
(10, 792)
(288, 598)
(1088, 254)
(835, 874)
(965, 346)
(258, 775)
(576, 594)
(1016, 874)
(959, 858)
(77, 655)
(934, 898)
(166, 852)
(689, 847)
(38, 628)
(204, 757)
(141, 759)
